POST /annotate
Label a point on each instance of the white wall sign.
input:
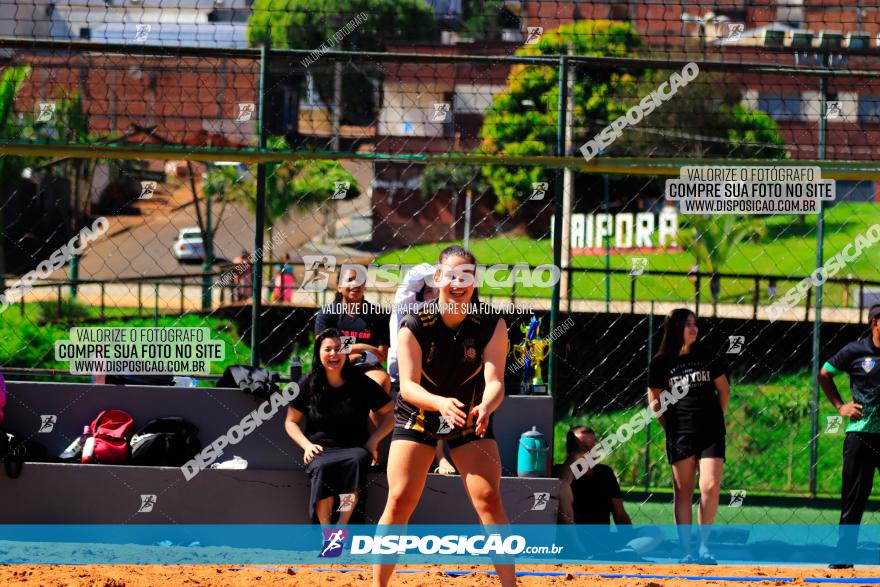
(627, 230)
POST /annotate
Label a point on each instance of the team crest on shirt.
(868, 364)
(470, 350)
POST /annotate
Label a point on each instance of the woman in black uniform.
(688, 391)
(451, 366)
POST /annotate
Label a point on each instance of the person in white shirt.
(411, 295)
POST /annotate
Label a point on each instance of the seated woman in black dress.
(338, 401)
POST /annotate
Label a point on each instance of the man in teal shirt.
(861, 449)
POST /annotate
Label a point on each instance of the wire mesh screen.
(385, 136)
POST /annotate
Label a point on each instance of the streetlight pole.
(209, 255)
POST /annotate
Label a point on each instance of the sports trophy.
(538, 351)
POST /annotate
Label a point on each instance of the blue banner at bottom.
(455, 544)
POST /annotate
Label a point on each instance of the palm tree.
(712, 239)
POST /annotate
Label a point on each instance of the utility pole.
(567, 195)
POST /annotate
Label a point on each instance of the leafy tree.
(10, 167)
(704, 118)
(484, 19)
(309, 24)
(522, 120)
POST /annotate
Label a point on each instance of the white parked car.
(189, 245)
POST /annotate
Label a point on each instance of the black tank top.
(452, 366)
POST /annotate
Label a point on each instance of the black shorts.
(367, 367)
(680, 446)
(401, 433)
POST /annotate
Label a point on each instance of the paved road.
(138, 246)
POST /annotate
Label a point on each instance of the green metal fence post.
(260, 214)
(561, 121)
(817, 318)
(607, 242)
(208, 265)
(73, 274)
(647, 475)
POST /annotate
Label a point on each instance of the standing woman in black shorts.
(688, 392)
(451, 366)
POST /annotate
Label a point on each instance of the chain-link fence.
(218, 181)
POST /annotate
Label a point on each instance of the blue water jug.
(531, 460)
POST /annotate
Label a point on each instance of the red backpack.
(112, 430)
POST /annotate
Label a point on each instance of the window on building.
(782, 106)
(620, 11)
(869, 109)
(791, 13)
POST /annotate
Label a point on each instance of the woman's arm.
(654, 404)
(292, 426)
(385, 416)
(723, 387)
(380, 351)
(848, 410)
(493, 371)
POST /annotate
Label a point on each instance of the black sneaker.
(839, 566)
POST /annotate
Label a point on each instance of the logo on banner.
(147, 503)
(541, 501)
(334, 542)
(47, 423)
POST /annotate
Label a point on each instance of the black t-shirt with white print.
(370, 326)
(699, 411)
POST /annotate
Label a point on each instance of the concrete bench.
(273, 489)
